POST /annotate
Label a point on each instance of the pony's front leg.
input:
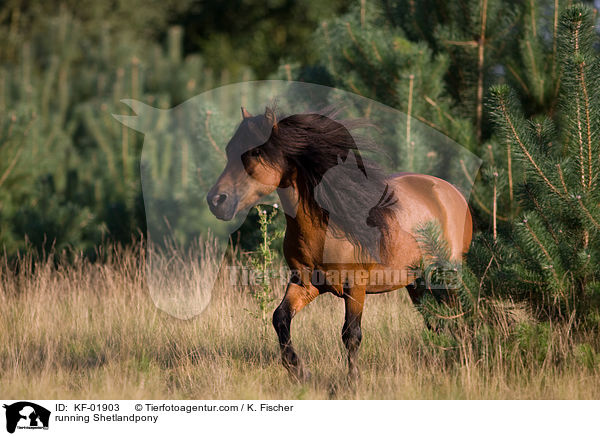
(354, 299)
(296, 297)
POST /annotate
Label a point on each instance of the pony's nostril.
(218, 199)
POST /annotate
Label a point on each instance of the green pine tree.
(548, 254)
(69, 172)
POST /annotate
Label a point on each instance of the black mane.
(313, 144)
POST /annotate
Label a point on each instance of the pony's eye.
(255, 152)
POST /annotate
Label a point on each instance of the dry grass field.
(92, 331)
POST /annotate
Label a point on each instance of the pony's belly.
(337, 278)
(343, 265)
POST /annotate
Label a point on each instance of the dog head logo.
(26, 415)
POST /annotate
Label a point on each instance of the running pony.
(351, 230)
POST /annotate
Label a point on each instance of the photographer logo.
(26, 415)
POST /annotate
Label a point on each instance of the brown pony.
(351, 230)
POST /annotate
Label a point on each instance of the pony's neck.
(296, 208)
(290, 200)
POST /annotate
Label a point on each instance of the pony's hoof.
(300, 374)
(353, 376)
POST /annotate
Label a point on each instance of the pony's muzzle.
(222, 205)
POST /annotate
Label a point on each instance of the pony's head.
(254, 167)
(266, 153)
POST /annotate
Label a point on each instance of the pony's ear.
(245, 113)
(271, 117)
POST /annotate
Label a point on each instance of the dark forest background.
(515, 82)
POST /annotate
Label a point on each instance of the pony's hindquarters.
(424, 199)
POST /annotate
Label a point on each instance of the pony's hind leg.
(296, 297)
(416, 291)
(354, 299)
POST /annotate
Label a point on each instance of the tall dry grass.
(92, 331)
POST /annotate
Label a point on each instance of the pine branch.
(587, 118)
(480, 65)
(542, 247)
(587, 212)
(500, 94)
(476, 196)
